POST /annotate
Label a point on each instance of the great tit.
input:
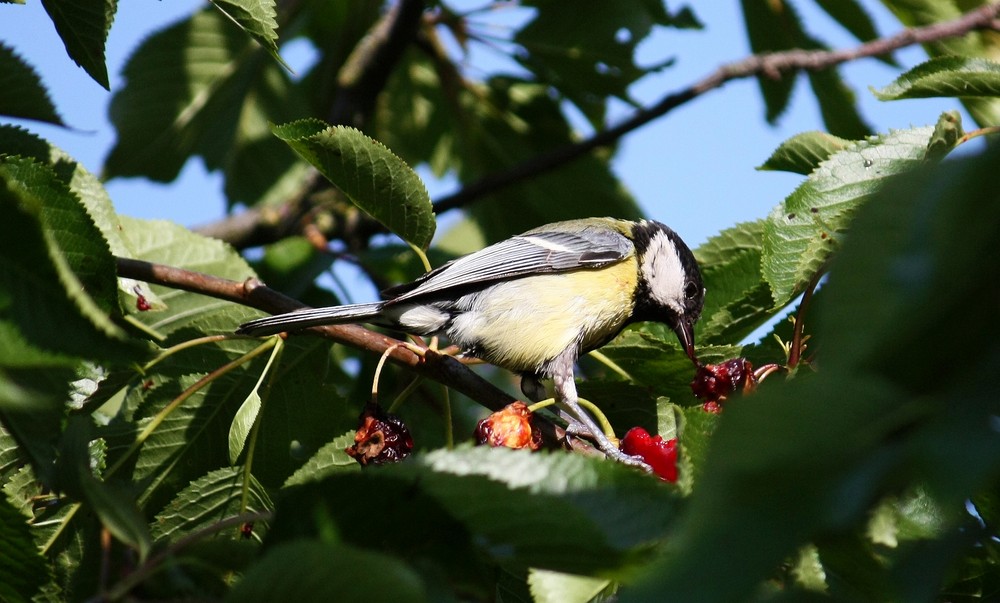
(535, 302)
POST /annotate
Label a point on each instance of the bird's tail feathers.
(310, 317)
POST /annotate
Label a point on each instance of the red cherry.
(659, 454)
(716, 382)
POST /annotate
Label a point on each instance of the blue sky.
(693, 169)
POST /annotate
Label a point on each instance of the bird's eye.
(690, 291)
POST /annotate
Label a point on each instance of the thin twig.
(770, 64)
(797, 345)
(442, 368)
(253, 293)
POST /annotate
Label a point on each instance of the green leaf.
(738, 299)
(948, 133)
(200, 87)
(852, 16)
(589, 60)
(447, 509)
(24, 95)
(115, 504)
(926, 238)
(328, 460)
(773, 27)
(806, 228)
(83, 26)
(695, 438)
(37, 427)
(73, 234)
(555, 587)
(320, 571)
(23, 570)
(803, 153)
(531, 124)
(211, 498)
(893, 408)
(818, 436)
(369, 174)
(257, 19)
(58, 279)
(914, 13)
(303, 412)
(167, 243)
(243, 422)
(960, 77)
(720, 249)
(248, 412)
(613, 507)
(89, 190)
(652, 360)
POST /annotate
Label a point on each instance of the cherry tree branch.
(772, 65)
(439, 367)
(253, 293)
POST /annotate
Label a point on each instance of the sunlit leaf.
(248, 412)
(555, 587)
(807, 227)
(803, 153)
(91, 193)
(961, 77)
(58, 271)
(554, 511)
(257, 19)
(373, 177)
(328, 460)
(914, 13)
(885, 413)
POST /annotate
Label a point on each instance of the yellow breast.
(522, 324)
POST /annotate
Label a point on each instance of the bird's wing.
(522, 255)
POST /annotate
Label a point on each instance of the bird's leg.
(565, 385)
(532, 388)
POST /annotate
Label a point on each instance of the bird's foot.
(604, 444)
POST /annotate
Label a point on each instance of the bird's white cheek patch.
(662, 269)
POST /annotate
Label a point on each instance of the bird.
(535, 302)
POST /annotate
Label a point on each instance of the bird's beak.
(685, 333)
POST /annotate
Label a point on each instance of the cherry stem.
(761, 373)
(795, 352)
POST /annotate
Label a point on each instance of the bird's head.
(670, 286)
